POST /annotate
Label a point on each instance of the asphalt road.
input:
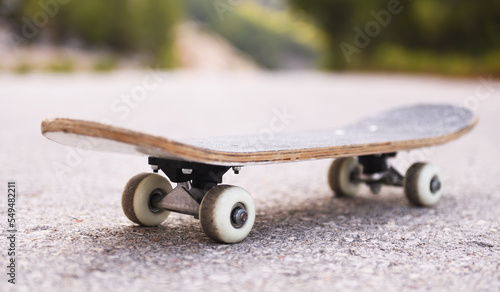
(72, 235)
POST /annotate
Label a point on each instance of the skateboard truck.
(377, 171)
(180, 200)
(226, 213)
(421, 183)
(193, 180)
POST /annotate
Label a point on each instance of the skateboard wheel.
(137, 196)
(227, 214)
(341, 176)
(423, 184)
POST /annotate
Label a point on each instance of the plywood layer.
(395, 130)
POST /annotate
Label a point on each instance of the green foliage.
(61, 66)
(447, 36)
(271, 38)
(23, 68)
(123, 25)
(106, 63)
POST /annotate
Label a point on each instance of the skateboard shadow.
(366, 211)
(324, 216)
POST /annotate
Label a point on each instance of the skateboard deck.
(395, 130)
(227, 213)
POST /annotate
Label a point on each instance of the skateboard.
(362, 152)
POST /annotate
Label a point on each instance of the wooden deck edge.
(192, 153)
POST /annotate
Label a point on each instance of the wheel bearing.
(239, 215)
(155, 196)
(435, 185)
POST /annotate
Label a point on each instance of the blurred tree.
(122, 25)
(275, 39)
(361, 33)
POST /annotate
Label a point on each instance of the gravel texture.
(73, 236)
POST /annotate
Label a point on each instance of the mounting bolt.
(187, 171)
(236, 169)
(154, 168)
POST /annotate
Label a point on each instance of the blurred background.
(204, 68)
(448, 37)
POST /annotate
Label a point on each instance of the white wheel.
(137, 196)
(341, 176)
(227, 214)
(423, 184)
